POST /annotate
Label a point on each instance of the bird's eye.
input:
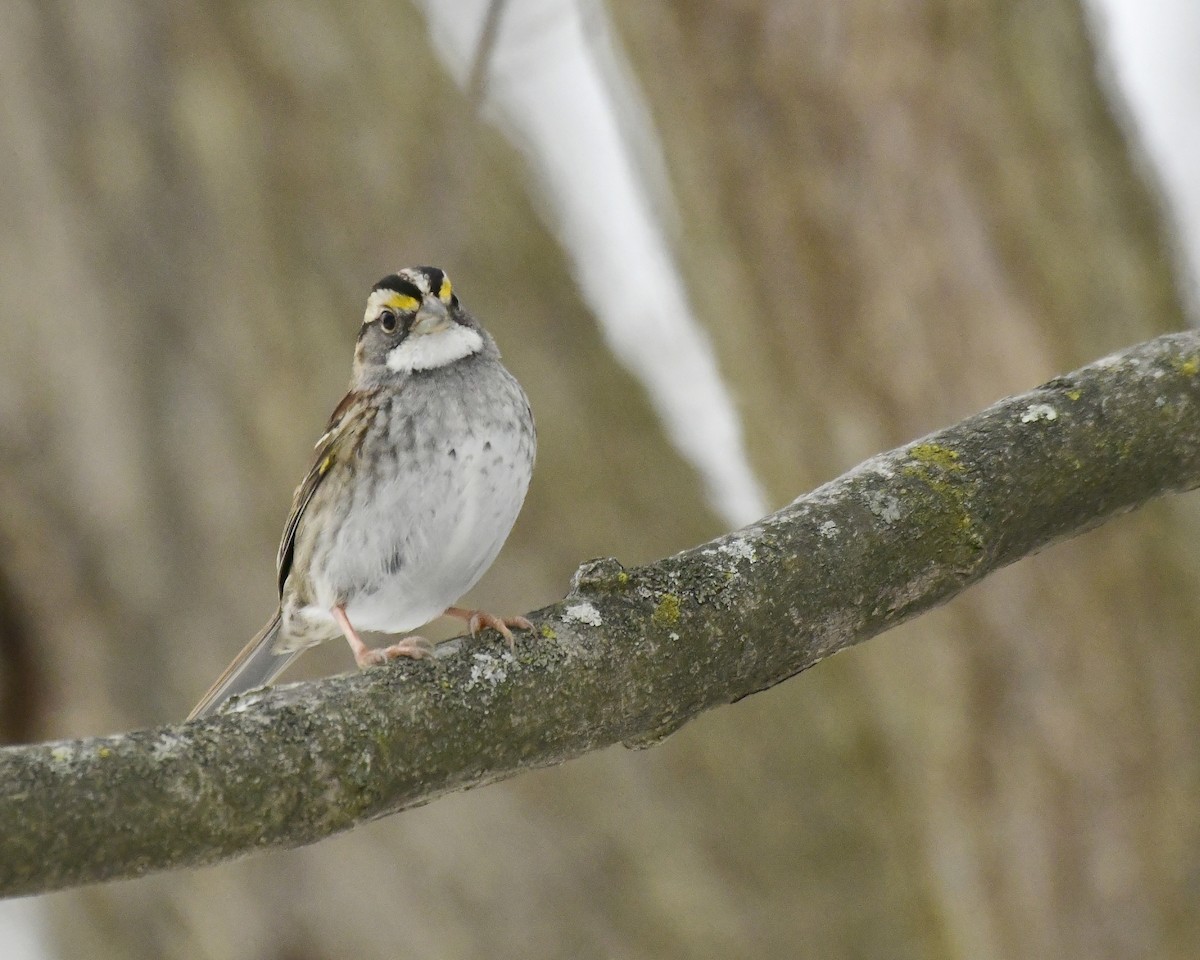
(387, 321)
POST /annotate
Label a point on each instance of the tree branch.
(628, 655)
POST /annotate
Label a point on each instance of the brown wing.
(339, 442)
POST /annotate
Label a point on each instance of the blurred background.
(731, 248)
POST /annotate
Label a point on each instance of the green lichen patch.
(940, 470)
(936, 466)
(936, 456)
(1188, 366)
(666, 614)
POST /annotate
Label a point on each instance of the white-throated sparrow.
(415, 487)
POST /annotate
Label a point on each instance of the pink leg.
(414, 647)
(477, 619)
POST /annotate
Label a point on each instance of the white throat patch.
(432, 350)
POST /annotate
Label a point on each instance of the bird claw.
(478, 619)
(415, 648)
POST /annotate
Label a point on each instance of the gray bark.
(628, 655)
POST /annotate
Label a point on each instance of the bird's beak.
(432, 317)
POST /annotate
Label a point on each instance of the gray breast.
(452, 465)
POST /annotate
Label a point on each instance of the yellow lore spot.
(445, 290)
(402, 302)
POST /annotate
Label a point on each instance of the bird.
(414, 487)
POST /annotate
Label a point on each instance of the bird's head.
(414, 322)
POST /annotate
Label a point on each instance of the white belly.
(419, 543)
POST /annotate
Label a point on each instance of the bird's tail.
(256, 665)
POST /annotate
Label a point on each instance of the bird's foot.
(478, 619)
(414, 647)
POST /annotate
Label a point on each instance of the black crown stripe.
(398, 284)
(435, 278)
